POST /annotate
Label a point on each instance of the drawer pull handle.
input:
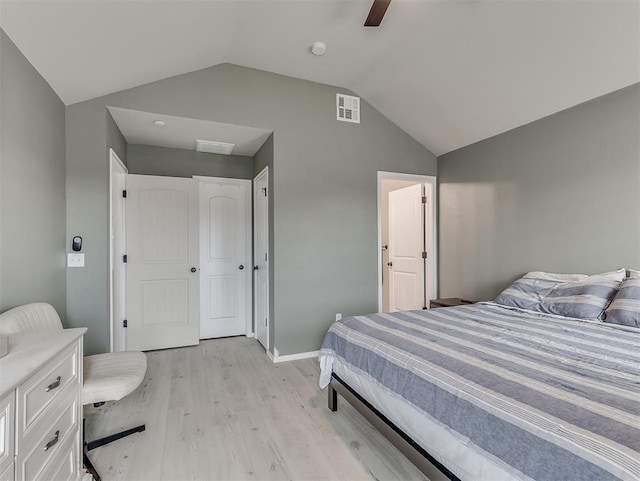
(53, 442)
(54, 384)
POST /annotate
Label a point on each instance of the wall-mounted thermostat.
(76, 243)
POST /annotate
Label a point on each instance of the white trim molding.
(292, 357)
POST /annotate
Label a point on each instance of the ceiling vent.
(348, 108)
(213, 147)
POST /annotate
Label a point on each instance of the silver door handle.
(193, 269)
(241, 267)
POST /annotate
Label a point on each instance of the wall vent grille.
(348, 108)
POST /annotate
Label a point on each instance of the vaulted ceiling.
(448, 72)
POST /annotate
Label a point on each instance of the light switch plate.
(75, 260)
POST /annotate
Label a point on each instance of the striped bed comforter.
(551, 398)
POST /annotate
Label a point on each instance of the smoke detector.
(318, 48)
(213, 147)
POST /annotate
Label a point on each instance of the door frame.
(249, 243)
(263, 173)
(117, 213)
(430, 225)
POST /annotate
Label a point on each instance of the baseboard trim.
(293, 357)
(270, 356)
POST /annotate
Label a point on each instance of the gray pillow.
(625, 307)
(583, 299)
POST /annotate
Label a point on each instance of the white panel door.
(406, 244)
(261, 256)
(117, 180)
(162, 260)
(225, 257)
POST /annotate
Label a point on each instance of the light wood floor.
(223, 411)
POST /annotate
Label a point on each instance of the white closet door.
(225, 257)
(406, 244)
(261, 256)
(162, 262)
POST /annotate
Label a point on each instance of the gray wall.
(561, 194)
(151, 160)
(32, 185)
(116, 140)
(324, 191)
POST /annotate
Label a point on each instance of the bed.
(486, 392)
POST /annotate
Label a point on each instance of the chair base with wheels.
(88, 446)
(110, 377)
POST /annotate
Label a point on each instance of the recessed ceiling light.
(318, 48)
(159, 123)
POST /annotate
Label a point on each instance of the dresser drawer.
(7, 424)
(42, 388)
(48, 439)
(7, 474)
(64, 465)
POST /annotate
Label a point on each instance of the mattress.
(500, 394)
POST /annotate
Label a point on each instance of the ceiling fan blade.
(376, 13)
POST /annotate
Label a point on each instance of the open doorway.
(407, 271)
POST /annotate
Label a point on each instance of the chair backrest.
(38, 316)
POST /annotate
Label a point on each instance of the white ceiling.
(448, 72)
(182, 133)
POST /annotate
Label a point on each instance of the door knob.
(390, 264)
(255, 268)
(193, 269)
(241, 267)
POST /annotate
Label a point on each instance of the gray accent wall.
(87, 164)
(324, 192)
(32, 185)
(151, 160)
(116, 140)
(561, 194)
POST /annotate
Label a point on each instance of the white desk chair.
(107, 377)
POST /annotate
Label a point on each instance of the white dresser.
(41, 407)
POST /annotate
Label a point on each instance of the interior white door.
(225, 257)
(162, 260)
(261, 256)
(117, 179)
(406, 244)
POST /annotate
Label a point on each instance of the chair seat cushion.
(111, 376)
